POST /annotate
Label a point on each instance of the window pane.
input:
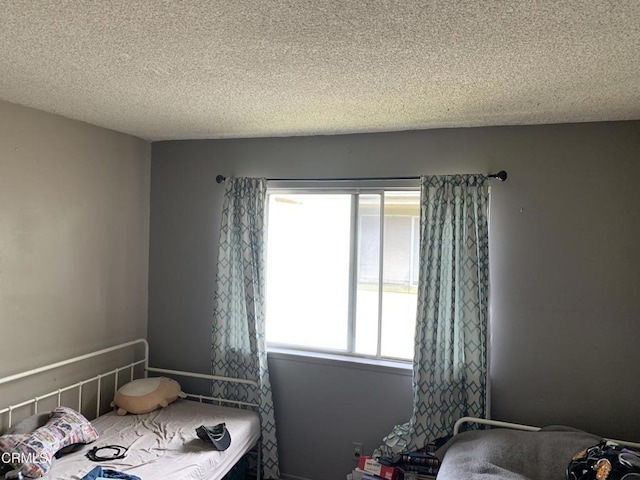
(399, 297)
(308, 259)
(311, 260)
(368, 274)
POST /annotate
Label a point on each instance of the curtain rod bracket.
(220, 178)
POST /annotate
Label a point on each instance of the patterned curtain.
(238, 343)
(450, 361)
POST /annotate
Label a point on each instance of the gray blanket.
(512, 454)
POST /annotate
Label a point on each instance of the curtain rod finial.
(220, 178)
(501, 175)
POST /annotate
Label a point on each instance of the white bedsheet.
(163, 444)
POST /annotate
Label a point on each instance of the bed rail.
(202, 398)
(492, 423)
(518, 426)
(79, 358)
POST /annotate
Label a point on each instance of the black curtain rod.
(501, 175)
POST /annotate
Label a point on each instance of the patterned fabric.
(450, 361)
(32, 453)
(238, 338)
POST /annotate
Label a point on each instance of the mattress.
(164, 444)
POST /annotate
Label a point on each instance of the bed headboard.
(133, 364)
(140, 360)
(518, 426)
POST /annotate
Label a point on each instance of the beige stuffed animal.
(146, 394)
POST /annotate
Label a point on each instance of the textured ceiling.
(245, 68)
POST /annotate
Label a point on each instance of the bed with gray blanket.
(512, 454)
(511, 451)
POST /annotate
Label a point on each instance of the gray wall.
(74, 223)
(565, 276)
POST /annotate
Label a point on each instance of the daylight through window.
(342, 271)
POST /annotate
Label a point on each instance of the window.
(342, 270)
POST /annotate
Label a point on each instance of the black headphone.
(118, 452)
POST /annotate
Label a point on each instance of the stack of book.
(420, 465)
(369, 469)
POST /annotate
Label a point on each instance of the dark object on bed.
(218, 435)
(605, 461)
(499, 454)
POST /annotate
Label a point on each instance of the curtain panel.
(238, 346)
(450, 360)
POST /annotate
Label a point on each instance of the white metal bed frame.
(518, 426)
(131, 366)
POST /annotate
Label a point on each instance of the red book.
(369, 465)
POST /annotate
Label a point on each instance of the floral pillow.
(33, 452)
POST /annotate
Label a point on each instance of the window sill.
(344, 361)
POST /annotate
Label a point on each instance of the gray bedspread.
(512, 454)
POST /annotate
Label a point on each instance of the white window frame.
(352, 187)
